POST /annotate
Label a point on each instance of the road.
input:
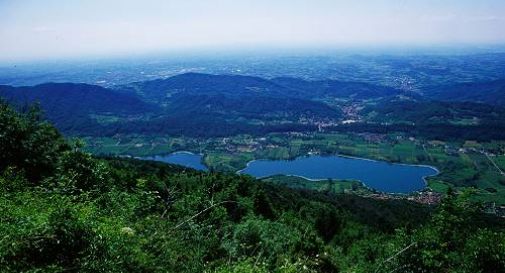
(496, 166)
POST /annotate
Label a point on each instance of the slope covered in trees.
(70, 106)
(189, 104)
(426, 112)
(233, 85)
(491, 92)
(63, 210)
(203, 105)
(337, 89)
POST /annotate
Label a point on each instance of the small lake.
(185, 159)
(379, 175)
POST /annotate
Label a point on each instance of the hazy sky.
(39, 29)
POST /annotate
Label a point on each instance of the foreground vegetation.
(64, 211)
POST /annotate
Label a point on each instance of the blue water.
(185, 159)
(379, 175)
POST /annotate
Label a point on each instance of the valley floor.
(463, 165)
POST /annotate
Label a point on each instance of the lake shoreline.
(165, 158)
(423, 178)
(248, 164)
(346, 156)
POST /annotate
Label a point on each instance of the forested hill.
(208, 106)
(206, 84)
(72, 107)
(490, 92)
(337, 89)
(76, 98)
(426, 112)
(233, 85)
(63, 210)
(204, 105)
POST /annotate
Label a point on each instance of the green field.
(328, 186)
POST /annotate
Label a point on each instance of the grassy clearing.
(329, 186)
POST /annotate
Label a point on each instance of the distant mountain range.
(210, 105)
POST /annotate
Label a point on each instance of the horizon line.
(280, 51)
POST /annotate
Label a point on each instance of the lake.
(379, 175)
(185, 159)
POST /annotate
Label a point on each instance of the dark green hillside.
(70, 106)
(337, 89)
(192, 125)
(161, 90)
(252, 107)
(81, 109)
(62, 210)
(202, 105)
(426, 111)
(77, 97)
(492, 92)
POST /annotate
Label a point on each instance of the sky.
(56, 29)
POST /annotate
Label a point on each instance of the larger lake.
(379, 175)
